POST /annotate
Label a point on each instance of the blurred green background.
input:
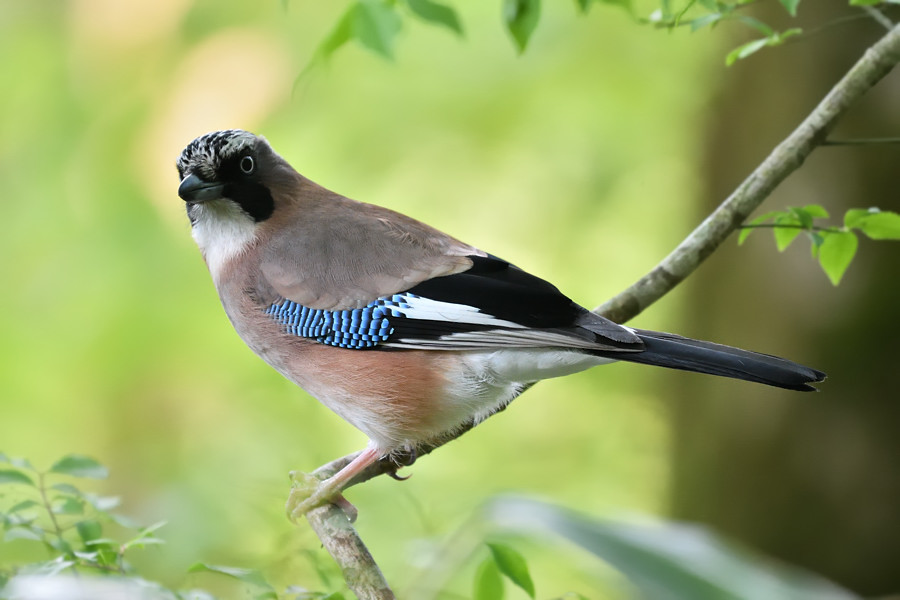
(583, 161)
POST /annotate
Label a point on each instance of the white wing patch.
(417, 307)
(503, 333)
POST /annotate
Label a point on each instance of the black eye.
(247, 165)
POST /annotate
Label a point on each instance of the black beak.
(194, 189)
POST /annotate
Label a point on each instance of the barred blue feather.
(356, 329)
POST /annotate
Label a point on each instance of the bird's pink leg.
(308, 492)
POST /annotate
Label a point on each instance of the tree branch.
(784, 160)
(331, 524)
(359, 569)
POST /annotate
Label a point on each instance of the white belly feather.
(491, 380)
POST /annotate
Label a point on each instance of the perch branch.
(330, 523)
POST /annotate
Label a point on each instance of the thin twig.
(877, 62)
(807, 33)
(862, 141)
(42, 489)
(789, 226)
(879, 17)
(48, 506)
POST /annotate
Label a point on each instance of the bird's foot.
(309, 492)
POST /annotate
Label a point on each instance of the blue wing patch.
(356, 329)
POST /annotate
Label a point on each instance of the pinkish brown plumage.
(405, 332)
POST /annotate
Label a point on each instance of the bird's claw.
(309, 492)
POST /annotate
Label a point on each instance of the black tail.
(676, 352)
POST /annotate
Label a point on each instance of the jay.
(405, 332)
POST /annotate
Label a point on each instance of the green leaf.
(143, 537)
(668, 560)
(854, 217)
(790, 6)
(836, 252)
(779, 38)
(23, 505)
(66, 488)
(788, 232)
(60, 545)
(249, 576)
(816, 211)
(513, 565)
(89, 531)
(22, 533)
(803, 217)
(51, 567)
(864, 2)
(338, 36)
(701, 22)
(583, 6)
(757, 25)
(488, 585)
(77, 465)
(881, 226)
(21, 463)
(143, 541)
(68, 506)
(107, 552)
(10, 476)
(102, 503)
(432, 12)
(375, 25)
(521, 18)
(15, 519)
(745, 50)
(92, 558)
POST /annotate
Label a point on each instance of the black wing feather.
(497, 288)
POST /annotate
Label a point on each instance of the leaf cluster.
(52, 509)
(833, 246)
(66, 520)
(375, 24)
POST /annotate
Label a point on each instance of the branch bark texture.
(330, 522)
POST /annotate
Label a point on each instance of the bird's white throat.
(222, 231)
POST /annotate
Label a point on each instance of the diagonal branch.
(784, 160)
(347, 548)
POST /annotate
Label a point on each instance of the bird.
(407, 333)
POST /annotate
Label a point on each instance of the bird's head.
(226, 173)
